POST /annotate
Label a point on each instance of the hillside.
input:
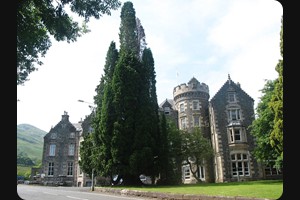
(30, 141)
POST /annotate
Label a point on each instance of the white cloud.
(200, 38)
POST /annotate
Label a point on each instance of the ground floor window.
(240, 164)
(51, 169)
(186, 172)
(200, 172)
(271, 170)
(70, 169)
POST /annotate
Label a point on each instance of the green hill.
(30, 141)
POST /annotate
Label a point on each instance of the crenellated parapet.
(193, 88)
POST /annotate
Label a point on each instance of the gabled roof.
(230, 85)
(64, 122)
(167, 103)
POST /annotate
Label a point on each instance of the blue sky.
(196, 38)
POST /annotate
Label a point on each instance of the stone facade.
(224, 121)
(61, 154)
(231, 112)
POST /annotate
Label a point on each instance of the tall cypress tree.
(125, 86)
(135, 130)
(128, 30)
(151, 108)
(103, 123)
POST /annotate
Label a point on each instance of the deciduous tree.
(276, 104)
(37, 20)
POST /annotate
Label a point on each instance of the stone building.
(61, 154)
(231, 112)
(223, 120)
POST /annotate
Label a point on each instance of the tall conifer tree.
(135, 130)
(105, 114)
(128, 30)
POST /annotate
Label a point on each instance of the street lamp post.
(92, 107)
(93, 187)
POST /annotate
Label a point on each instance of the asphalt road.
(34, 192)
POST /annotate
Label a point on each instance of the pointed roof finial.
(229, 80)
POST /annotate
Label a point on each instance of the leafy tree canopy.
(195, 149)
(38, 19)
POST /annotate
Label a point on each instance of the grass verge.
(269, 189)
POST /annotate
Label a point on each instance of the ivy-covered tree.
(37, 20)
(276, 104)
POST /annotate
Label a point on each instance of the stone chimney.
(65, 117)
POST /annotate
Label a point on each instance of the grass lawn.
(269, 189)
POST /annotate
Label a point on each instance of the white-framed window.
(71, 151)
(181, 107)
(200, 172)
(271, 170)
(72, 135)
(231, 97)
(234, 114)
(186, 172)
(235, 134)
(240, 164)
(52, 149)
(70, 169)
(183, 122)
(51, 169)
(196, 120)
(195, 105)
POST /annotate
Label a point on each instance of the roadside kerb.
(170, 196)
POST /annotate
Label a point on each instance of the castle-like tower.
(191, 101)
